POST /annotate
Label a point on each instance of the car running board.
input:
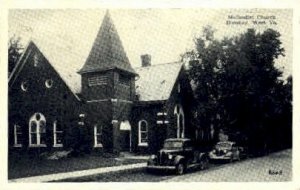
(193, 166)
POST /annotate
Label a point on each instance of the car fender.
(202, 155)
(178, 159)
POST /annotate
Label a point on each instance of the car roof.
(226, 142)
(177, 140)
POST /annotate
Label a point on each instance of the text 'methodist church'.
(112, 107)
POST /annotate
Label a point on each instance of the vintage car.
(178, 155)
(226, 151)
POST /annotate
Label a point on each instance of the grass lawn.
(26, 166)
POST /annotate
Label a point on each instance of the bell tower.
(108, 87)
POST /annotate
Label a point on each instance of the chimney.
(146, 60)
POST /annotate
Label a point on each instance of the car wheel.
(180, 169)
(204, 163)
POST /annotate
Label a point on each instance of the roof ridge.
(160, 64)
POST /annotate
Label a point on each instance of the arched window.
(17, 135)
(97, 135)
(143, 133)
(37, 130)
(57, 135)
(178, 112)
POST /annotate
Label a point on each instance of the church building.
(107, 105)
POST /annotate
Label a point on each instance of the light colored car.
(226, 151)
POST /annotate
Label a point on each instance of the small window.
(57, 135)
(35, 60)
(178, 88)
(97, 80)
(24, 86)
(17, 136)
(143, 133)
(97, 135)
(49, 83)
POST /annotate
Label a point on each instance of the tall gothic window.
(143, 133)
(57, 135)
(178, 112)
(37, 130)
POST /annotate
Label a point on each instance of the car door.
(235, 152)
(188, 151)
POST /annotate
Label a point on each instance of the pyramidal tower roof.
(107, 51)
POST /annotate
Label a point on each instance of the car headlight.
(152, 156)
(170, 156)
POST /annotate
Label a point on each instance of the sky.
(163, 33)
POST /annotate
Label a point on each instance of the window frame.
(140, 143)
(55, 132)
(97, 134)
(38, 130)
(16, 133)
(97, 80)
(49, 83)
(178, 112)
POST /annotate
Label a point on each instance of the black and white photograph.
(150, 95)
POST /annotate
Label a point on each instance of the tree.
(238, 88)
(15, 49)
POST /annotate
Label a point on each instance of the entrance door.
(125, 141)
(125, 138)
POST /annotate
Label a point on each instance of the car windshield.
(172, 144)
(223, 146)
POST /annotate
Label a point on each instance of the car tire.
(204, 163)
(180, 169)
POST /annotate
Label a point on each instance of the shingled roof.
(107, 51)
(156, 82)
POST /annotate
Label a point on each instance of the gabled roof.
(107, 51)
(59, 59)
(156, 82)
